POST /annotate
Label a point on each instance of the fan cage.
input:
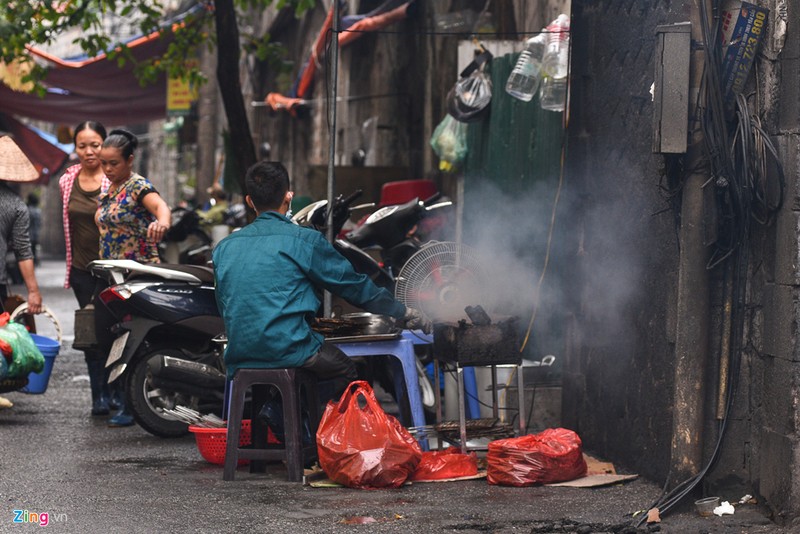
(441, 279)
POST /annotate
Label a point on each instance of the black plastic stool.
(288, 382)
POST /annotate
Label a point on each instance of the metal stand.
(462, 424)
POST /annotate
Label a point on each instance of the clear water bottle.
(555, 65)
(524, 79)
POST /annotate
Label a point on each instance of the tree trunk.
(230, 88)
(207, 135)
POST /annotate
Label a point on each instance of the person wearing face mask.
(131, 218)
(81, 185)
(268, 278)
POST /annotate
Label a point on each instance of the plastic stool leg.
(291, 424)
(405, 353)
(234, 428)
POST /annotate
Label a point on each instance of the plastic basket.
(211, 442)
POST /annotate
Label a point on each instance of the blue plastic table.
(418, 337)
(402, 349)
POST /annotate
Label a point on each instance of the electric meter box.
(671, 88)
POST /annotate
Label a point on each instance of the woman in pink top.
(81, 186)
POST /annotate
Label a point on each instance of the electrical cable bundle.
(737, 153)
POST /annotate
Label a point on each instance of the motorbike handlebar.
(428, 201)
(346, 201)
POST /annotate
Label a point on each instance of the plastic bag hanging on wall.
(469, 99)
(449, 142)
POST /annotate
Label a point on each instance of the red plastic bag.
(554, 455)
(363, 447)
(449, 463)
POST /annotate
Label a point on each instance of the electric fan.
(440, 280)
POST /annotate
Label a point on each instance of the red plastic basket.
(211, 442)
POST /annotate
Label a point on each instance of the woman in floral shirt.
(132, 218)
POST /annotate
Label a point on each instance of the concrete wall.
(618, 374)
(618, 388)
(775, 374)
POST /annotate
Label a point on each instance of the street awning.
(97, 88)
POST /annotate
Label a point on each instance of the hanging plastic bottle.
(524, 79)
(555, 65)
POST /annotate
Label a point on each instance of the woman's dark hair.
(89, 125)
(125, 141)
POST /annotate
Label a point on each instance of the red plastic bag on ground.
(449, 463)
(554, 455)
(360, 446)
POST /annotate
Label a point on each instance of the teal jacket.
(269, 276)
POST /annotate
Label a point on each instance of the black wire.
(474, 397)
(738, 171)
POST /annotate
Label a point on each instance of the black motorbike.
(167, 340)
(391, 231)
(185, 242)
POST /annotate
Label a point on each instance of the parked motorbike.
(165, 347)
(390, 229)
(185, 242)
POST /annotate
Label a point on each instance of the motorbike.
(391, 230)
(167, 340)
(185, 242)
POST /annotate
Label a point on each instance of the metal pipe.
(326, 306)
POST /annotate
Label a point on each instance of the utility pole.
(691, 340)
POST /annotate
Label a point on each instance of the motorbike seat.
(204, 274)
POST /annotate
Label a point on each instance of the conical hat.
(14, 164)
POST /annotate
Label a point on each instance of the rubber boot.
(272, 414)
(123, 415)
(98, 386)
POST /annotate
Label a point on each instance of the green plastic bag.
(26, 357)
(449, 141)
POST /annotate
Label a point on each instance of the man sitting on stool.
(268, 278)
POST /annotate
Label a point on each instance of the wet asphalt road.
(57, 459)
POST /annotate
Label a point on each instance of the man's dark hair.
(267, 183)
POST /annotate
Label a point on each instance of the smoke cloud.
(592, 269)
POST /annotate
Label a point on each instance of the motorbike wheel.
(147, 403)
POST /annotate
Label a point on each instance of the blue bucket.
(37, 382)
